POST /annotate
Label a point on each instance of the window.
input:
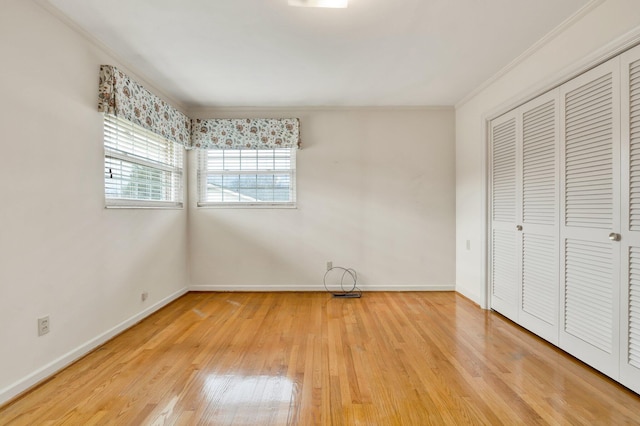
(141, 169)
(247, 177)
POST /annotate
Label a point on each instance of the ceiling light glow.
(319, 3)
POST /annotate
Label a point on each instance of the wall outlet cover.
(43, 326)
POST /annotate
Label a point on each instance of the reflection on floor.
(309, 359)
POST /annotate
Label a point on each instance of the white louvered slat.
(634, 147)
(538, 308)
(539, 281)
(590, 199)
(589, 154)
(634, 308)
(504, 265)
(588, 300)
(504, 171)
(630, 289)
(539, 164)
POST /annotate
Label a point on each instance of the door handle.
(614, 237)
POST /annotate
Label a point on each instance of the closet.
(564, 243)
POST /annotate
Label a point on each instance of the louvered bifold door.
(630, 242)
(540, 286)
(590, 216)
(504, 247)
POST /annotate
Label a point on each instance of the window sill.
(248, 205)
(137, 204)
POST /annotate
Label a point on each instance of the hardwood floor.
(308, 359)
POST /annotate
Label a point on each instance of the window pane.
(282, 159)
(132, 181)
(214, 189)
(249, 159)
(215, 159)
(247, 176)
(231, 159)
(140, 165)
(265, 188)
(230, 188)
(265, 160)
(248, 186)
(281, 187)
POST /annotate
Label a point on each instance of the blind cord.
(353, 292)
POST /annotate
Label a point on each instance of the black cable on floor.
(353, 292)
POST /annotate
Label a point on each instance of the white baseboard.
(265, 288)
(53, 367)
(65, 360)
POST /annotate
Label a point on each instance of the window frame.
(202, 171)
(175, 151)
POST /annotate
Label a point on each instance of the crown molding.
(199, 112)
(603, 54)
(121, 63)
(567, 23)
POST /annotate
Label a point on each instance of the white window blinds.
(247, 177)
(141, 169)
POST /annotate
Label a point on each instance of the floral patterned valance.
(249, 133)
(120, 95)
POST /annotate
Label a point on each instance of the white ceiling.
(211, 53)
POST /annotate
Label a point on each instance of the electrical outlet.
(468, 244)
(329, 265)
(144, 295)
(43, 325)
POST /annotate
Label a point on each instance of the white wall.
(61, 253)
(375, 193)
(609, 21)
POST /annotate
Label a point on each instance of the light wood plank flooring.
(308, 359)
